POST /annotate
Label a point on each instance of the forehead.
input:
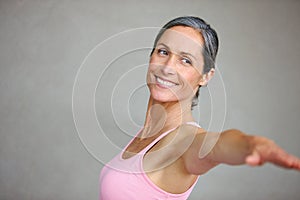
(183, 39)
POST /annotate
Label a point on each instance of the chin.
(163, 96)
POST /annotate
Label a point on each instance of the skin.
(175, 162)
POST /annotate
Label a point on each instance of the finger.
(295, 163)
(283, 159)
(292, 162)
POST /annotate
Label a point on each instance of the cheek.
(150, 74)
(152, 59)
(192, 78)
(151, 65)
(153, 68)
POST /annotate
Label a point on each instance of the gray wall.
(43, 44)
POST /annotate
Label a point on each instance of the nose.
(169, 66)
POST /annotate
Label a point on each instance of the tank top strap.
(166, 133)
(157, 140)
(193, 123)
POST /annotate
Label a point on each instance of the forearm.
(232, 148)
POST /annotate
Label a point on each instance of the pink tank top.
(125, 179)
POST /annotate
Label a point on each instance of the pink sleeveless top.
(125, 179)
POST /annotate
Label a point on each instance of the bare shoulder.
(183, 145)
(180, 140)
(184, 133)
(192, 129)
(187, 131)
(195, 137)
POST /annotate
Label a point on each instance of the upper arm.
(194, 162)
(210, 149)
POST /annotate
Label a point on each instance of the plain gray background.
(43, 43)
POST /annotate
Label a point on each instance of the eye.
(186, 61)
(162, 52)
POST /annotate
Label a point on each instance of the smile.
(164, 83)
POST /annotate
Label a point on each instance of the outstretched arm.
(235, 148)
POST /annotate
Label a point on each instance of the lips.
(164, 83)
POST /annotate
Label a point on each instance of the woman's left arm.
(236, 148)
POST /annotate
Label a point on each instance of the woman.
(166, 157)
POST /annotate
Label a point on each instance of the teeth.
(166, 83)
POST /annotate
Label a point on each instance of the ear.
(206, 77)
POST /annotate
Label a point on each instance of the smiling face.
(176, 65)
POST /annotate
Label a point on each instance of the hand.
(265, 150)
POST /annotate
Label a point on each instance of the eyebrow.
(182, 52)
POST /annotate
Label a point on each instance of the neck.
(161, 116)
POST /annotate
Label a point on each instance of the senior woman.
(166, 157)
